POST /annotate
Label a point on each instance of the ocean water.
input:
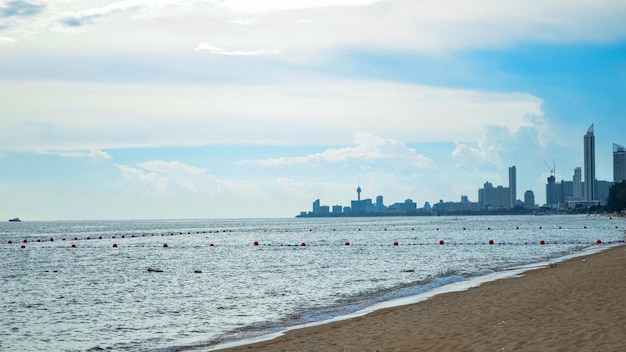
(212, 284)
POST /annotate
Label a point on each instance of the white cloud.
(307, 110)
(369, 147)
(162, 174)
(94, 153)
(428, 26)
(219, 51)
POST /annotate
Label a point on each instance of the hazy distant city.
(566, 195)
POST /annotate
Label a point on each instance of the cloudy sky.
(224, 109)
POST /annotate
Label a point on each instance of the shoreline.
(350, 332)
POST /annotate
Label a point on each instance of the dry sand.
(576, 305)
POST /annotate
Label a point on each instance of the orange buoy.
(490, 241)
(542, 242)
(395, 243)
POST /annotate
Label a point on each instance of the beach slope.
(576, 305)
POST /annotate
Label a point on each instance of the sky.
(176, 109)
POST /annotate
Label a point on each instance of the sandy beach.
(576, 305)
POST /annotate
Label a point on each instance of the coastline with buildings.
(572, 196)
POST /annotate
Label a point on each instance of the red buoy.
(164, 245)
(489, 229)
(584, 227)
(23, 246)
(256, 243)
(347, 243)
(73, 245)
(211, 245)
(599, 242)
(99, 237)
(395, 243)
(441, 242)
(38, 240)
(559, 227)
(88, 237)
(539, 227)
(517, 227)
(25, 241)
(302, 244)
(75, 238)
(542, 242)
(490, 241)
(114, 245)
(10, 242)
(51, 239)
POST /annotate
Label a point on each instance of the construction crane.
(552, 169)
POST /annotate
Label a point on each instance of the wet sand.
(576, 305)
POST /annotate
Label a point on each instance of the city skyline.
(204, 109)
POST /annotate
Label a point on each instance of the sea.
(195, 285)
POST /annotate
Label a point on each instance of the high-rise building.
(553, 193)
(577, 191)
(493, 198)
(512, 186)
(619, 163)
(590, 165)
(529, 199)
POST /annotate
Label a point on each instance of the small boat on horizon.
(15, 220)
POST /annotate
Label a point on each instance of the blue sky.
(225, 109)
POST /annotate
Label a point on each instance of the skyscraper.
(578, 191)
(590, 165)
(619, 163)
(512, 186)
(529, 199)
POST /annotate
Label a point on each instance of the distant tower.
(619, 163)
(512, 186)
(578, 184)
(590, 165)
(358, 193)
(529, 199)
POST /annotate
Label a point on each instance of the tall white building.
(590, 165)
